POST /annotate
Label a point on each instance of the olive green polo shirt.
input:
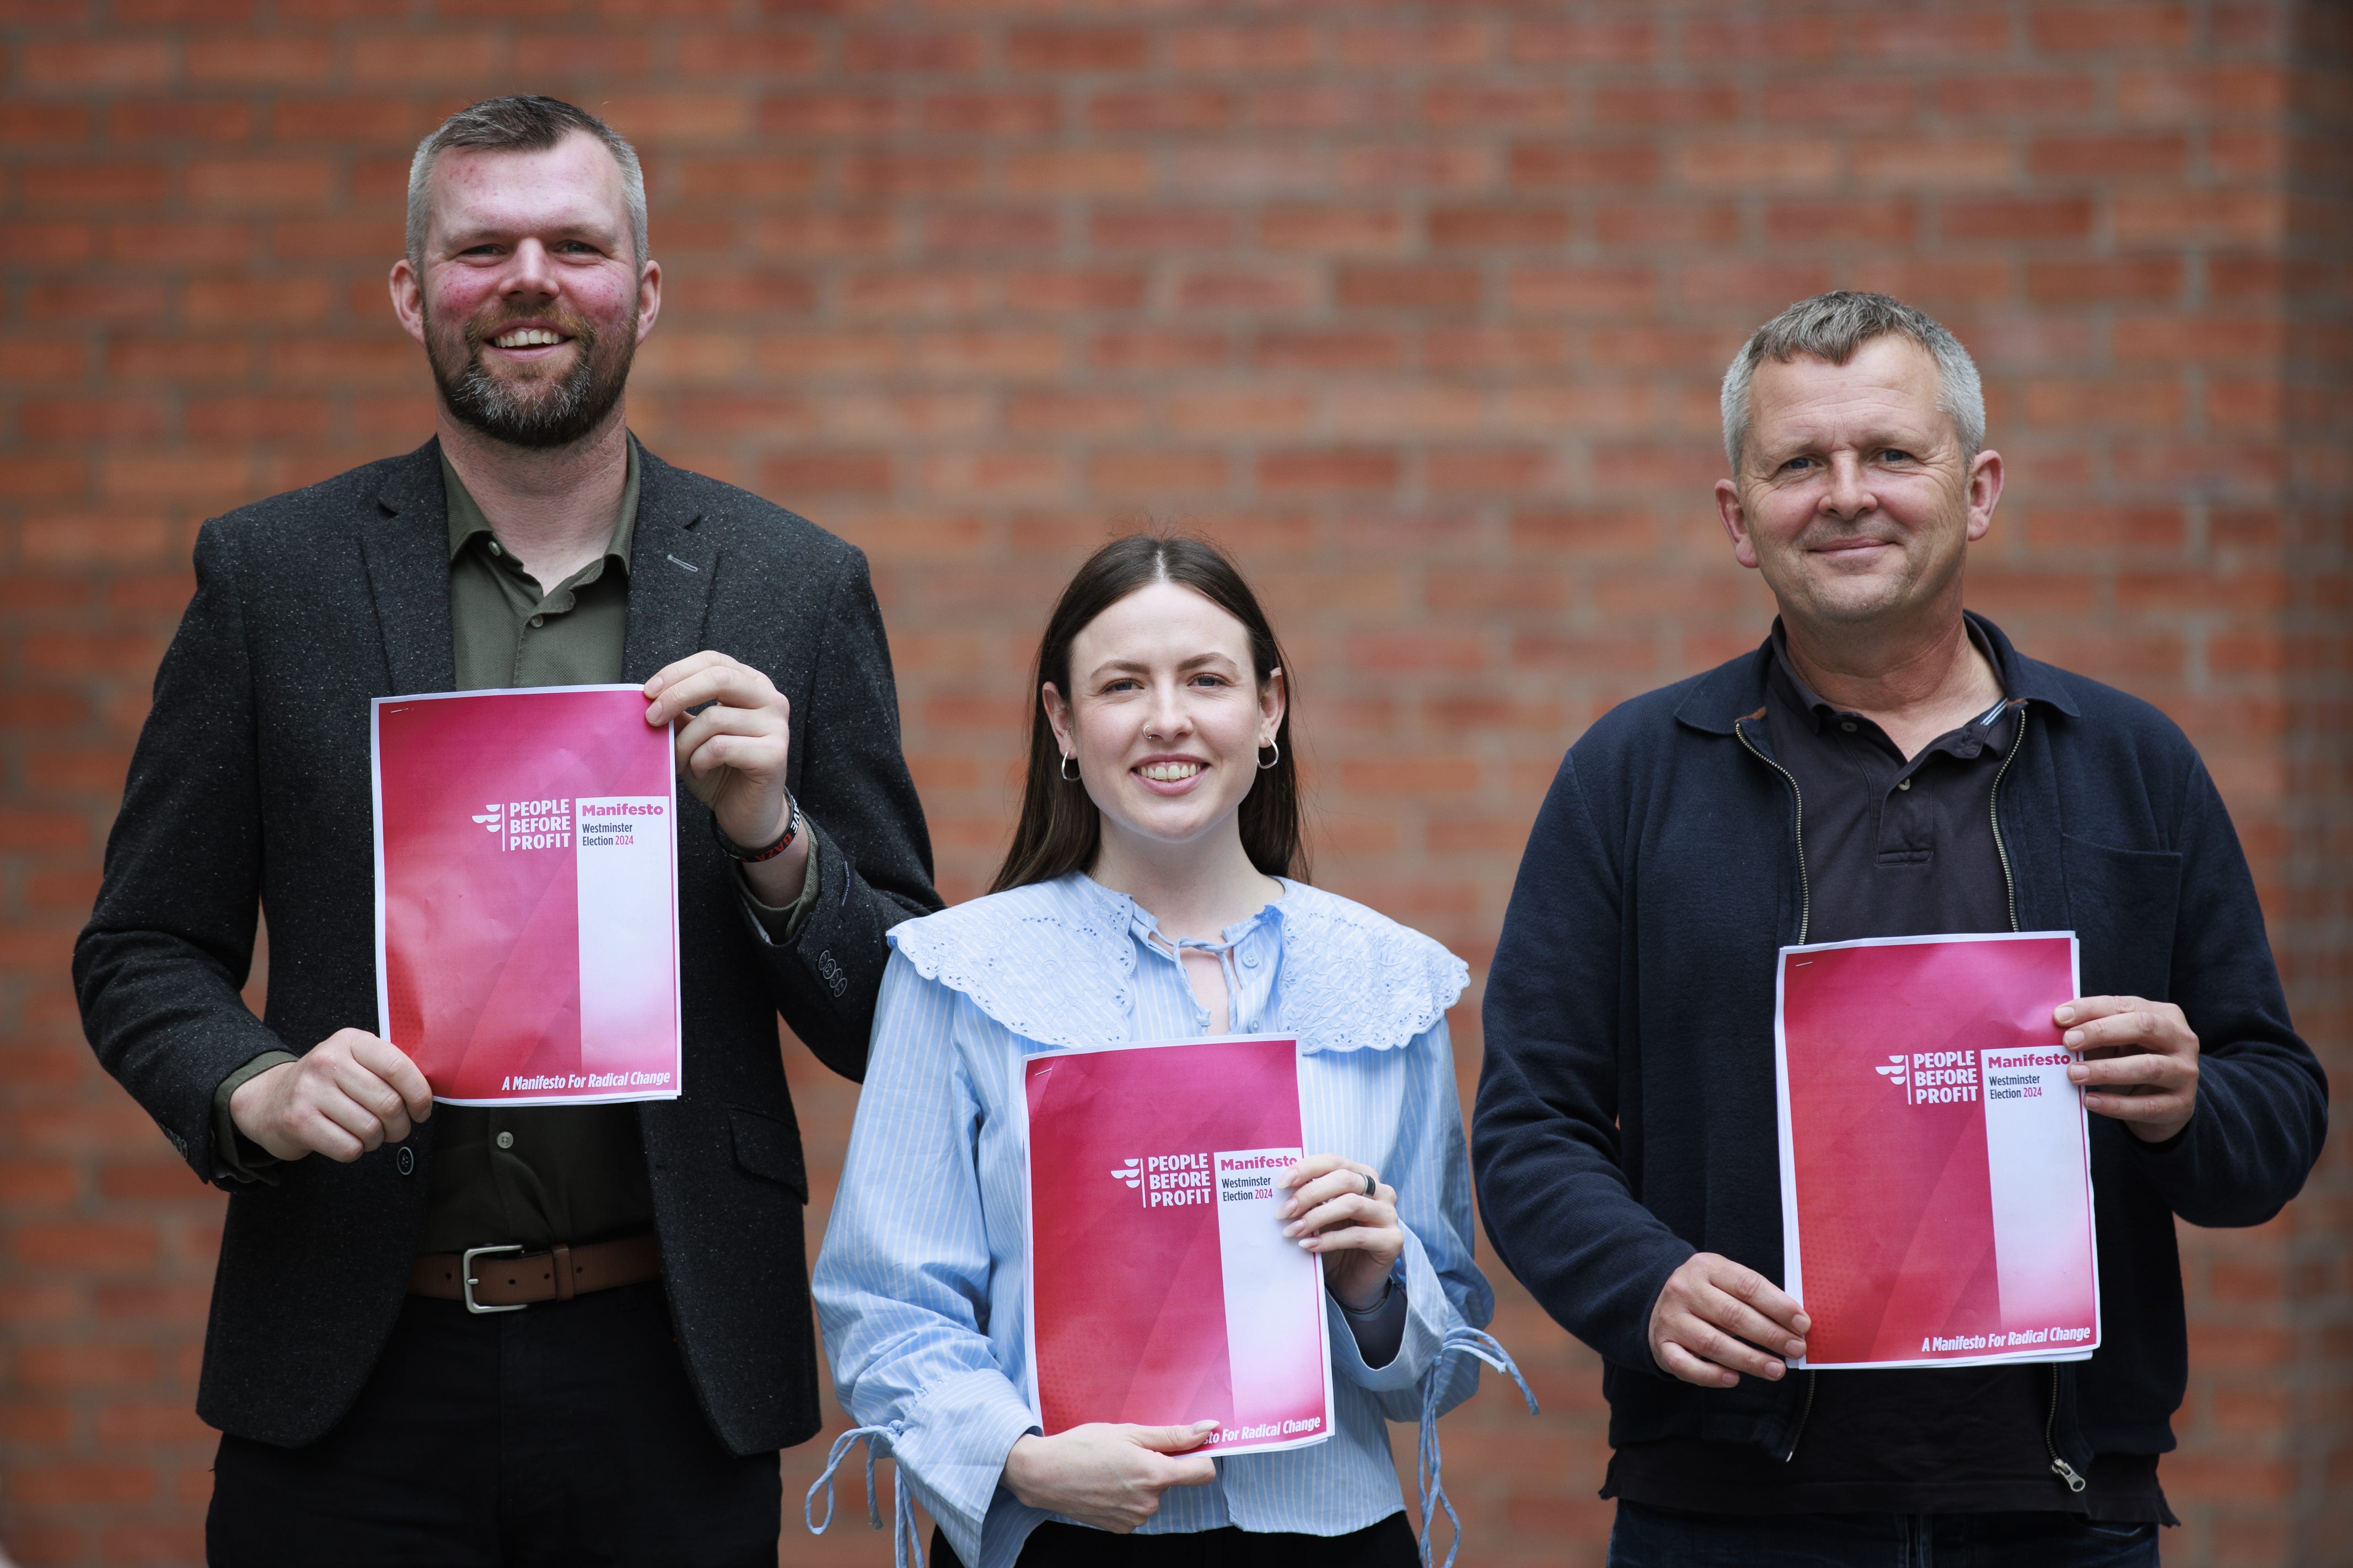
(531, 1175)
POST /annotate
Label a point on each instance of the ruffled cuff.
(952, 1448)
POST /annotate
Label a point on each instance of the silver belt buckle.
(465, 1274)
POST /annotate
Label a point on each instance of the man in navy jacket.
(1886, 764)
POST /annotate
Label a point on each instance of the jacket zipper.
(1805, 918)
(1805, 891)
(1993, 806)
(2059, 1467)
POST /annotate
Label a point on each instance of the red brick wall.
(1419, 306)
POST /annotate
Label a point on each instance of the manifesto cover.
(1162, 1290)
(1936, 1163)
(527, 878)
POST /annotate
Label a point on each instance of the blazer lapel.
(405, 540)
(671, 572)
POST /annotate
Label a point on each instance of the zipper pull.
(2066, 1472)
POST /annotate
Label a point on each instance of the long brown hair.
(1060, 829)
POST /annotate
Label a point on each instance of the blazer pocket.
(769, 1148)
(2123, 903)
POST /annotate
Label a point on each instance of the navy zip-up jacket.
(1625, 1116)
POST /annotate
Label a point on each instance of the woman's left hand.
(1343, 1211)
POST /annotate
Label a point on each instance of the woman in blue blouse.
(1150, 894)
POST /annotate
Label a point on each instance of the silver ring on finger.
(1371, 1186)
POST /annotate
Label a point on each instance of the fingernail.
(2066, 1015)
(1796, 1348)
(1776, 1370)
(1291, 1230)
(1802, 1324)
(2078, 1074)
(1307, 1243)
(2073, 1038)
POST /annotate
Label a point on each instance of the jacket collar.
(1736, 689)
(405, 541)
(405, 545)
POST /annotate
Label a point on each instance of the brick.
(990, 113)
(764, 55)
(2114, 26)
(1416, 45)
(93, 184)
(2105, 156)
(1609, 290)
(1241, 49)
(113, 63)
(1378, 286)
(1583, 164)
(1078, 171)
(436, 57)
(1756, 162)
(1875, 221)
(259, 61)
(1329, 470)
(1584, 41)
(1498, 226)
(250, 183)
(1939, 164)
(903, 52)
(830, 113)
(1162, 109)
(2134, 277)
(1069, 48)
(1991, 219)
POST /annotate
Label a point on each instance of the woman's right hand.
(1109, 1476)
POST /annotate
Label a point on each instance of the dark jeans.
(566, 1433)
(1656, 1538)
(1389, 1545)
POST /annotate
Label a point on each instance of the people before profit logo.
(531, 824)
(1933, 1078)
(1168, 1181)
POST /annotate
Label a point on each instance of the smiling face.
(1165, 715)
(1854, 498)
(531, 299)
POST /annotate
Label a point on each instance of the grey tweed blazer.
(249, 792)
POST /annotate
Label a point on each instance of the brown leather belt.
(507, 1279)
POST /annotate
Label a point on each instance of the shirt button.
(1249, 960)
(506, 1139)
(494, 548)
(1904, 783)
(542, 620)
(1848, 725)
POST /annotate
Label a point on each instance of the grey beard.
(561, 415)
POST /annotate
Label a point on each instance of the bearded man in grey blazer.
(611, 1383)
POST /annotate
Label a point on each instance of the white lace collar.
(1055, 963)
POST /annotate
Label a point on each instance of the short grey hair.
(1831, 327)
(525, 123)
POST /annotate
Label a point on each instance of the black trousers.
(564, 1433)
(1389, 1545)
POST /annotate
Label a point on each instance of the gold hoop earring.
(1068, 776)
(1277, 759)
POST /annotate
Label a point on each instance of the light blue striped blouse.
(919, 1283)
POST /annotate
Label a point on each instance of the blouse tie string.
(904, 1542)
(1463, 1340)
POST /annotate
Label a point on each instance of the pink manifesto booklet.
(1162, 1290)
(526, 894)
(1935, 1163)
